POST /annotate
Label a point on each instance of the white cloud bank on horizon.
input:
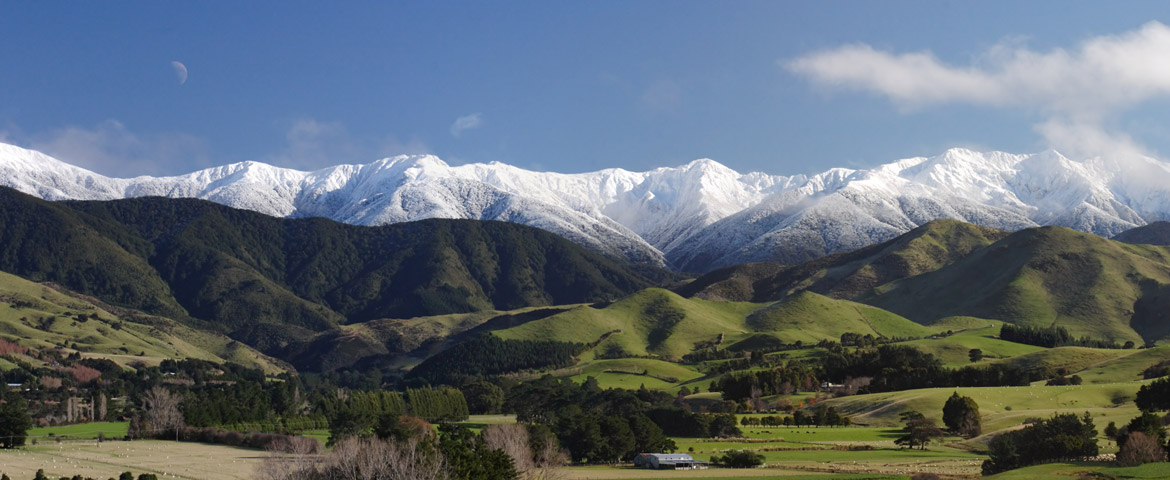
(1078, 91)
(111, 148)
(466, 122)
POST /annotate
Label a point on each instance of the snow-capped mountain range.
(695, 217)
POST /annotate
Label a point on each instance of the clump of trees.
(357, 413)
(739, 386)
(822, 416)
(1160, 369)
(491, 355)
(918, 430)
(961, 416)
(1052, 337)
(1143, 439)
(1064, 436)
(407, 447)
(1064, 380)
(1154, 396)
(738, 459)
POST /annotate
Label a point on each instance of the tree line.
(1054, 336)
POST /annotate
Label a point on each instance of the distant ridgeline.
(326, 296)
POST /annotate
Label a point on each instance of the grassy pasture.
(639, 318)
(632, 373)
(1072, 359)
(1125, 367)
(112, 430)
(37, 316)
(1081, 469)
(629, 473)
(954, 350)
(183, 460)
(1000, 407)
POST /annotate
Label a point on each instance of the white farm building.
(668, 461)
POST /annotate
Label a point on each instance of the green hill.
(1048, 276)
(39, 316)
(1155, 233)
(954, 350)
(273, 282)
(1000, 407)
(737, 283)
(810, 317)
(849, 275)
(650, 322)
(662, 323)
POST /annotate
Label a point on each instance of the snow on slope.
(842, 210)
(695, 217)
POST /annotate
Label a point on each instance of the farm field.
(111, 430)
(1097, 470)
(182, 460)
(628, 473)
(869, 450)
(632, 373)
(1001, 407)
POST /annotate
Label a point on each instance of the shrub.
(739, 459)
(1140, 448)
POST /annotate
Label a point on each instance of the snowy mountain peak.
(696, 216)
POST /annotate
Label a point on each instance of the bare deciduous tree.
(356, 458)
(512, 438)
(544, 464)
(160, 409)
(295, 460)
(549, 461)
(1140, 448)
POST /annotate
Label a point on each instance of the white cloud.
(312, 144)
(112, 149)
(1077, 90)
(466, 122)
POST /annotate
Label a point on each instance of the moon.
(180, 71)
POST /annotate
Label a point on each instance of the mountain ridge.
(269, 281)
(696, 217)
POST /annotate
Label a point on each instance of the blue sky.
(779, 87)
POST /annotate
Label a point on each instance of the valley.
(296, 313)
(645, 240)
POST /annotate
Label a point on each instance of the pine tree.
(14, 421)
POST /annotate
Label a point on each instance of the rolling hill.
(1154, 233)
(270, 282)
(39, 316)
(848, 275)
(1048, 276)
(661, 323)
(810, 317)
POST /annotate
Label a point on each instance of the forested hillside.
(270, 281)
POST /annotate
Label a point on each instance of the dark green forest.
(270, 282)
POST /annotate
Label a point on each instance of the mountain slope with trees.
(269, 281)
(848, 275)
(1043, 277)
